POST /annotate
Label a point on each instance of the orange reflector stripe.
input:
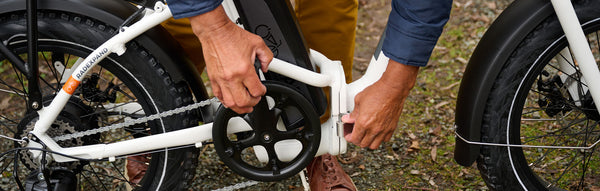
(71, 85)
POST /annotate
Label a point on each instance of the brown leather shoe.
(136, 167)
(326, 174)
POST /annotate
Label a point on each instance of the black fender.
(114, 12)
(492, 52)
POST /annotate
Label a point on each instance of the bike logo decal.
(71, 85)
(265, 33)
(89, 64)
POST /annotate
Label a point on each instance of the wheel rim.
(548, 114)
(92, 175)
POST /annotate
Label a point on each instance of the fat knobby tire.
(493, 162)
(162, 92)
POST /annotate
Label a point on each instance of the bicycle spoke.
(19, 76)
(12, 90)
(123, 178)
(555, 135)
(13, 124)
(576, 78)
(94, 173)
(53, 71)
(101, 109)
(570, 165)
(585, 167)
(87, 179)
(124, 93)
(7, 164)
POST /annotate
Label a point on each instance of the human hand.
(377, 108)
(230, 52)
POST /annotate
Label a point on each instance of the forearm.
(399, 78)
(211, 21)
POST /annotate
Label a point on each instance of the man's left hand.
(377, 108)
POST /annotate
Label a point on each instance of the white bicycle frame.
(331, 75)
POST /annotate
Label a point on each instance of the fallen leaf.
(412, 136)
(450, 86)
(362, 167)
(457, 4)
(415, 172)
(414, 146)
(354, 157)
(441, 104)
(389, 157)
(437, 131)
(464, 171)
(434, 153)
(439, 48)
(462, 60)
(452, 95)
(435, 141)
(468, 3)
(432, 182)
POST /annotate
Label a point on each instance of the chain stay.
(138, 120)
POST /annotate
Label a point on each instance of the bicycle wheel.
(540, 98)
(120, 88)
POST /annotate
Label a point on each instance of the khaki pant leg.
(181, 30)
(329, 26)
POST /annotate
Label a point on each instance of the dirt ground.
(420, 155)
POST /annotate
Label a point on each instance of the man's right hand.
(230, 53)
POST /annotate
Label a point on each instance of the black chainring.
(287, 116)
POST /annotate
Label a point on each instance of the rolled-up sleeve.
(414, 28)
(189, 8)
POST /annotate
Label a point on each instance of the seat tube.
(579, 46)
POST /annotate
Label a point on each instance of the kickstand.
(303, 178)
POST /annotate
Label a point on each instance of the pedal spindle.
(284, 137)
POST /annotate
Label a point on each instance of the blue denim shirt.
(414, 26)
(189, 8)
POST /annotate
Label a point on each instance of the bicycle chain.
(138, 120)
(149, 118)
